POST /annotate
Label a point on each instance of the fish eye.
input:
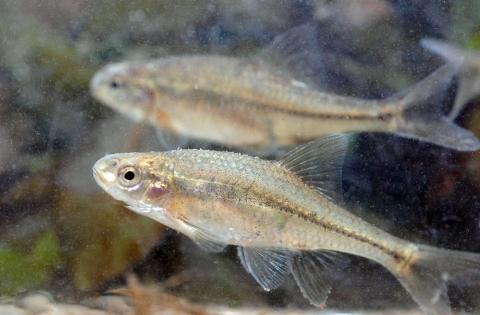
(116, 83)
(129, 176)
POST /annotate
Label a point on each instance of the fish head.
(125, 87)
(142, 180)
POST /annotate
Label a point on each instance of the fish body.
(248, 212)
(284, 216)
(237, 103)
(273, 98)
(468, 75)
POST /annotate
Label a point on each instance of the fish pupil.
(114, 84)
(129, 175)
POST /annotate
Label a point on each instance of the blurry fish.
(469, 74)
(284, 216)
(273, 98)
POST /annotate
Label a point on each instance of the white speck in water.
(445, 276)
(298, 84)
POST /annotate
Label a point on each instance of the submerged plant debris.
(141, 300)
(59, 233)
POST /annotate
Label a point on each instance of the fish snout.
(96, 82)
(105, 78)
(104, 171)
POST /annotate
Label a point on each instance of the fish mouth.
(97, 176)
(95, 82)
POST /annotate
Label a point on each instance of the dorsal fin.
(319, 163)
(295, 54)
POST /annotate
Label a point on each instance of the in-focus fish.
(273, 98)
(284, 216)
(469, 74)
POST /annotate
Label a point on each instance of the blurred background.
(59, 233)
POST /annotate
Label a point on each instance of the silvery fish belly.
(285, 217)
(276, 97)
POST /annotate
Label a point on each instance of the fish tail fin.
(422, 118)
(427, 272)
(452, 52)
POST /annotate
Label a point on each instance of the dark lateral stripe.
(306, 215)
(312, 217)
(383, 117)
(208, 96)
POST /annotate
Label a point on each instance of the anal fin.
(269, 267)
(314, 272)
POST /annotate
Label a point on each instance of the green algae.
(23, 269)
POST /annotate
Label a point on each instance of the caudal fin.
(467, 88)
(429, 271)
(422, 117)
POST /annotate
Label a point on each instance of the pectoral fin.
(174, 141)
(314, 272)
(268, 266)
(204, 239)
